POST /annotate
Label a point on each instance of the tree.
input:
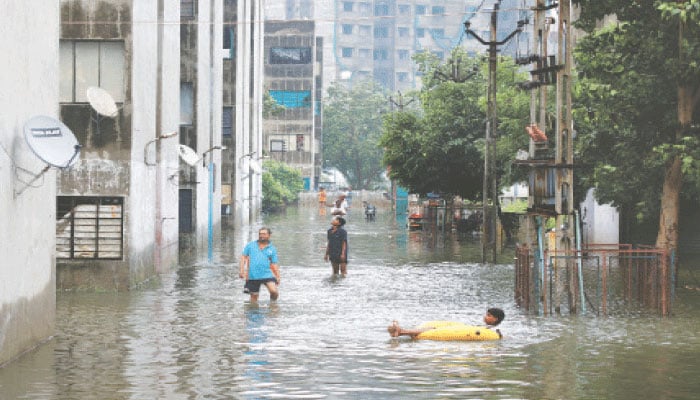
(637, 97)
(439, 148)
(352, 123)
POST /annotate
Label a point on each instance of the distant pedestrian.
(340, 207)
(259, 266)
(337, 246)
(322, 201)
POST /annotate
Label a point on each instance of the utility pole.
(488, 226)
(400, 102)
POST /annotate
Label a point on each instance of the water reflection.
(195, 336)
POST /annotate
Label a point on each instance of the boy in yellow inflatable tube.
(492, 318)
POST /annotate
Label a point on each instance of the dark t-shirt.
(335, 244)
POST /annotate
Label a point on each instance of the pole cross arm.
(491, 43)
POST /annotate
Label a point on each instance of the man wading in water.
(259, 266)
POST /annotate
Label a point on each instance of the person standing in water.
(259, 266)
(322, 201)
(337, 246)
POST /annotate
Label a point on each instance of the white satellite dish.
(102, 102)
(188, 155)
(52, 141)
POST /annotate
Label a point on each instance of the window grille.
(89, 227)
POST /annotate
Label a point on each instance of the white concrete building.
(27, 211)
(118, 206)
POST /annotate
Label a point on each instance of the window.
(420, 32)
(229, 43)
(364, 8)
(94, 63)
(188, 8)
(364, 53)
(381, 10)
(227, 122)
(404, 9)
(421, 9)
(403, 32)
(381, 32)
(186, 103)
(278, 146)
(89, 227)
(439, 54)
(438, 10)
(365, 30)
(300, 142)
(292, 98)
(437, 33)
(347, 29)
(347, 52)
(402, 76)
(403, 55)
(347, 6)
(290, 55)
(380, 54)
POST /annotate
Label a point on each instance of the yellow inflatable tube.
(449, 330)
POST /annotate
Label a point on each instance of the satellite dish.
(102, 102)
(188, 155)
(52, 141)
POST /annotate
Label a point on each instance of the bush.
(281, 185)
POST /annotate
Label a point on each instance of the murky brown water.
(193, 336)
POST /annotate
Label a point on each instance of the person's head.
(338, 221)
(264, 235)
(494, 316)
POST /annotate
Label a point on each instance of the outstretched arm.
(395, 331)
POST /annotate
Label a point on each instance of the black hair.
(269, 232)
(498, 313)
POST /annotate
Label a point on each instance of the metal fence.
(603, 279)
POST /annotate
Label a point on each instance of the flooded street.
(192, 335)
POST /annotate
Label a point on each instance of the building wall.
(125, 157)
(248, 111)
(30, 87)
(601, 222)
(290, 137)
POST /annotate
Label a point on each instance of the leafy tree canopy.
(352, 123)
(627, 100)
(439, 148)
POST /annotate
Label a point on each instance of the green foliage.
(440, 147)
(281, 185)
(626, 101)
(518, 207)
(352, 123)
(271, 108)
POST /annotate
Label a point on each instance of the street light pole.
(488, 225)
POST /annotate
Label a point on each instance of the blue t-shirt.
(260, 260)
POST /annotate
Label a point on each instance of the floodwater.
(193, 335)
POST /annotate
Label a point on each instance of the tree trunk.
(667, 237)
(668, 220)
